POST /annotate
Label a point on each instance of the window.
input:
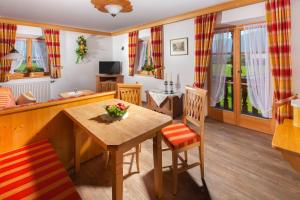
(221, 74)
(34, 53)
(239, 74)
(255, 72)
(240, 87)
(144, 61)
(39, 56)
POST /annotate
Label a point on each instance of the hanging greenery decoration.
(82, 49)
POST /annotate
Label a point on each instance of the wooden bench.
(34, 172)
(25, 125)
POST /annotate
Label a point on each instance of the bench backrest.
(25, 125)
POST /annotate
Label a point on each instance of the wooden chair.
(131, 93)
(181, 137)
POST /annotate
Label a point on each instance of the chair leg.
(201, 158)
(185, 156)
(107, 159)
(175, 169)
(140, 148)
(137, 154)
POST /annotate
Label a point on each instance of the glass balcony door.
(228, 72)
(221, 77)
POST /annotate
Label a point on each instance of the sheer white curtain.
(221, 52)
(258, 70)
(21, 47)
(143, 45)
(39, 54)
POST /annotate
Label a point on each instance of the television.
(109, 67)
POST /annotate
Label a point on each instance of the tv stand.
(107, 82)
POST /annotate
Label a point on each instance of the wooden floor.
(239, 164)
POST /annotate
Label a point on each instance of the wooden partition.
(24, 125)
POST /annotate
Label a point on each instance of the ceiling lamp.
(112, 7)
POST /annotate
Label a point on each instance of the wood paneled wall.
(25, 125)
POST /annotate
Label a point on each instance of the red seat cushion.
(179, 135)
(34, 172)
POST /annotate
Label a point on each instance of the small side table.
(172, 105)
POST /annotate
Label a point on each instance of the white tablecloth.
(159, 96)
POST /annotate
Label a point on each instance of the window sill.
(15, 76)
(145, 73)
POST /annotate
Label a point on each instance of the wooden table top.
(140, 125)
(73, 94)
(287, 137)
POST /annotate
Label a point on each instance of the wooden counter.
(287, 140)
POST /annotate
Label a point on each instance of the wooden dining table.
(119, 136)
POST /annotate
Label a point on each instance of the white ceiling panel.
(82, 14)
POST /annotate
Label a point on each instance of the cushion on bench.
(6, 98)
(34, 172)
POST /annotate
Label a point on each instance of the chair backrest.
(194, 107)
(131, 93)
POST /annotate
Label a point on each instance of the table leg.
(77, 132)
(117, 175)
(157, 155)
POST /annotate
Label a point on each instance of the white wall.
(246, 14)
(24, 31)
(181, 67)
(80, 76)
(296, 45)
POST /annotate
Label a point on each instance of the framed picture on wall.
(179, 47)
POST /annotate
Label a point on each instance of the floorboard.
(239, 164)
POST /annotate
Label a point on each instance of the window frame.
(230, 82)
(20, 75)
(237, 117)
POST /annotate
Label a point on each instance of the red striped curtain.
(133, 39)
(157, 50)
(278, 13)
(53, 50)
(7, 41)
(204, 33)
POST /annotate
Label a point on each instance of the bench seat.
(34, 172)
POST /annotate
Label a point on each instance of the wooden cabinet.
(106, 83)
(172, 105)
